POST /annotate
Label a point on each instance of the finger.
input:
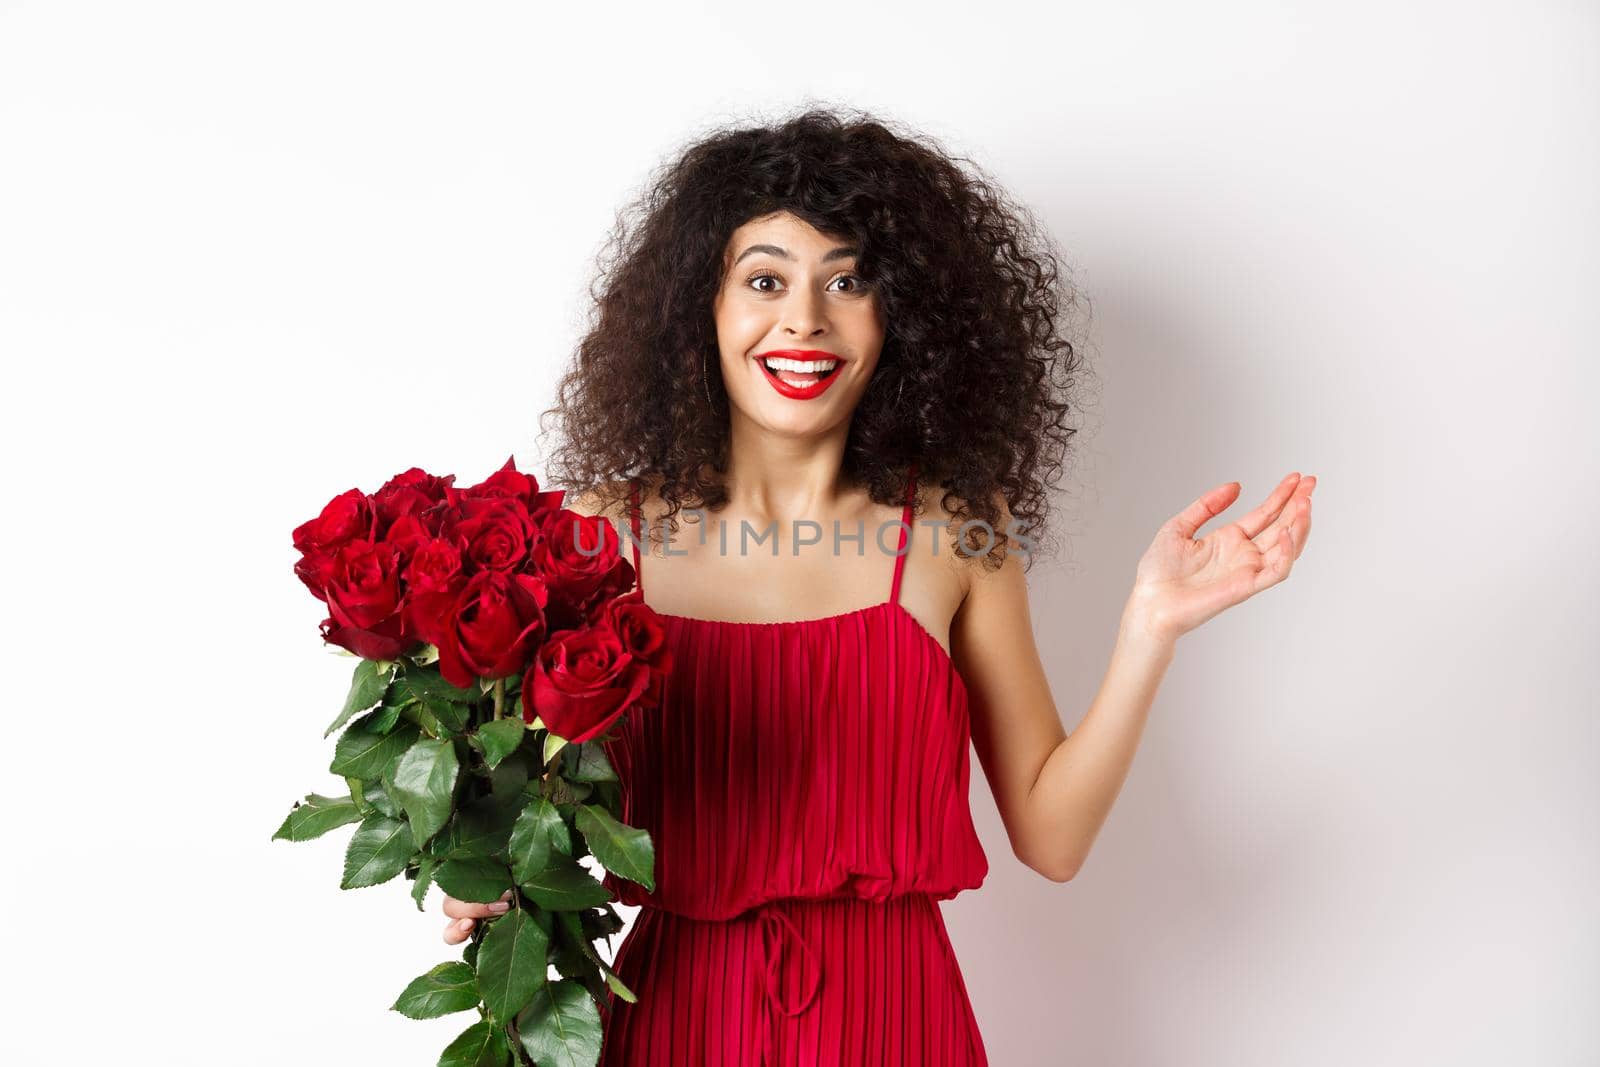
(458, 931)
(1296, 522)
(1205, 507)
(467, 909)
(1298, 526)
(1293, 511)
(460, 909)
(1276, 562)
(1270, 508)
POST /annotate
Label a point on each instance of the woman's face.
(791, 292)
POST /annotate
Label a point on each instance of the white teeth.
(801, 366)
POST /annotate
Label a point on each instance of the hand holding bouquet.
(499, 638)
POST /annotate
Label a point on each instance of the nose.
(804, 314)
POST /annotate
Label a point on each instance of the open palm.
(1182, 581)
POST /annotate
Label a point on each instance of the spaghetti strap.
(905, 528)
(633, 520)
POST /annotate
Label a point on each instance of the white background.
(252, 255)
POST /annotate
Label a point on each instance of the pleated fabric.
(805, 786)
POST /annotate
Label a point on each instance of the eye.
(857, 283)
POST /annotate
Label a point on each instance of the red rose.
(434, 579)
(363, 595)
(343, 519)
(409, 493)
(405, 534)
(315, 571)
(579, 557)
(581, 681)
(639, 628)
(512, 483)
(496, 619)
(387, 640)
(365, 588)
(494, 531)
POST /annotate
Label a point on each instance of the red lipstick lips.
(805, 391)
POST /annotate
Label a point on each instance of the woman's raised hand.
(464, 915)
(1182, 581)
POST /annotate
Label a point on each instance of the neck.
(771, 476)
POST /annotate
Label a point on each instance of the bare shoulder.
(609, 500)
(942, 514)
(993, 624)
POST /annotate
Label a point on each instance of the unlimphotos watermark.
(806, 532)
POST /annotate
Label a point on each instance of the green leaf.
(429, 722)
(616, 984)
(602, 923)
(572, 952)
(580, 847)
(587, 762)
(357, 789)
(421, 684)
(384, 716)
(511, 963)
(552, 745)
(621, 849)
(561, 791)
(425, 783)
(378, 851)
(608, 795)
(449, 987)
(483, 1044)
(364, 753)
(538, 832)
(366, 689)
(507, 782)
(378, 796)
(451, 716)
(498, 739)
(481, 828)
(560, 1027)
(569, 962)
(480, 881)
(573, 923)
(565, 885)
(315, 816)
(419, 888)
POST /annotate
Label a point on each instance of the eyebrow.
(842, 252)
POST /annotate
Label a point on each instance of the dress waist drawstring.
(775, 926)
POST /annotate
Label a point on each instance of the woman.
(825, 334)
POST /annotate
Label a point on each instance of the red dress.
(805, 786)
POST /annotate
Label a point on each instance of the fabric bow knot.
(775, 926)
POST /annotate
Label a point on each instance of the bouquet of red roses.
(499, 638)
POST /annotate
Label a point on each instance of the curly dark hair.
(974, 376)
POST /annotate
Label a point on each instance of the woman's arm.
(1054, 790)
